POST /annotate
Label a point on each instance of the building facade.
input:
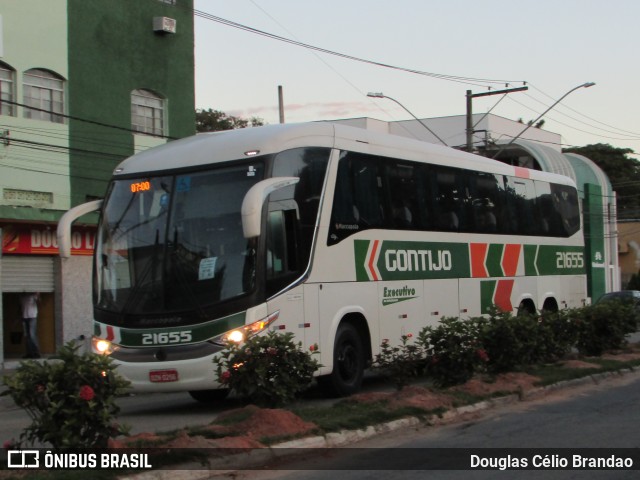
(84, 84)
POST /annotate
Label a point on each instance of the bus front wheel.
(348, 363)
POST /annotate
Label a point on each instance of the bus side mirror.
(64, 225)
(254, 200)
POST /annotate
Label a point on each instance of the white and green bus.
(342, 236)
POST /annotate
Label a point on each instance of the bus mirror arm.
(64, 225)
(254, 200)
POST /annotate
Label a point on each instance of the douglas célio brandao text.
(550, 461)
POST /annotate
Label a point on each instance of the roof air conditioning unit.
(164, 25)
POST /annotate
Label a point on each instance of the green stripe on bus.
(403, 260)
(494, 260)
(198, 333)
(530, 252)
(487, 289)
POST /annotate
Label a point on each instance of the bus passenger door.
(298, 306)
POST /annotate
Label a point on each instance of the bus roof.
(211, 148)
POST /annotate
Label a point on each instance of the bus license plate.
(163, 376)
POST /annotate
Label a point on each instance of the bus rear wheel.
(348, 363)
(209, 396)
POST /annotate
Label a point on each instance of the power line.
(452, 78)
(80, 119)
(635, 134)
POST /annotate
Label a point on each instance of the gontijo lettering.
(417, 260)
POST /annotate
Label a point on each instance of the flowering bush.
(453, 351)
(270, 369)
(400, 363)
(70, 399)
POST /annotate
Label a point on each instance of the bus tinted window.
(566, 203)
(293, 213)
(521, 206)
(378, 192)
(450, 199)
(487, 202)
(408, 196)
(357, 201)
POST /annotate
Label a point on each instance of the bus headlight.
(102, 346)
(239, 335)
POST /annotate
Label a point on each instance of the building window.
(147, 112)
(44, 91)
(7, 90)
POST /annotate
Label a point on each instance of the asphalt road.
(606, 415)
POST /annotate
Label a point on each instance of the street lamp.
(380, 95)
(584, 85)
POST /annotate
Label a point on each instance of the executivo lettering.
(395, 295)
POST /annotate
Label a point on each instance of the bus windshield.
(175, 242)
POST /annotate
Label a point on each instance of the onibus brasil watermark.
(38, 459)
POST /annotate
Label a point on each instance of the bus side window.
(521, 204)
(310, 166)
(357, 199)
(450, 198)
(568, 206)
(487, 201)
(282, 250)
(405, 194)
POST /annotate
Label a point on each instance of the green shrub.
(270, 370)
(70, 399)
(452, 350)
(558, 333)
(604, 326)
(512, 341)
(401, 363)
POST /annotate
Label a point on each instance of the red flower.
(40, 388)
(409, 335)
(482, 354)
(314, 347)
(225, 376)
(87, 393)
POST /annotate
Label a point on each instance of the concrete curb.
(257, 457)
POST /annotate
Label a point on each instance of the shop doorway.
(14, 342)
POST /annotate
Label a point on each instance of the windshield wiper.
(183, 281)
(150, 265)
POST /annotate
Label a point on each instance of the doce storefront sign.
(41, 240)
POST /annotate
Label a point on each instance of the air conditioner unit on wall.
(164, 25)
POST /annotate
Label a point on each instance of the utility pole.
(470, 97)
(281, 103)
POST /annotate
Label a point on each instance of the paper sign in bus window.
(207, 269)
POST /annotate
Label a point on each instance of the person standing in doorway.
(29, 304)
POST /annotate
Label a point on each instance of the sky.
(552, 45)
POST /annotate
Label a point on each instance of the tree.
(623, 173)
(215, 121)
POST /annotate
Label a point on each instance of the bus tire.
(209, 396)
(550, 306)
(348, 363)
(526, 307)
